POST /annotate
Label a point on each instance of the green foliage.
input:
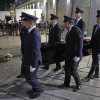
(7, 57)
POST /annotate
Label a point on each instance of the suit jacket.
(81, 25)
(54, 33)
(95, 41)
(32, 45)
(22, 36)
(74, 43)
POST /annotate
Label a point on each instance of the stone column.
(33, 5)
(30, 7)
(95, 5)
(68, 7)
(27, 6)
(54, 7)
(38, 5)
(45, 17)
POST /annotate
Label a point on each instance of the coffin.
(52, 53)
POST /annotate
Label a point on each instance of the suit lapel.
(79, 22)
(54, 26)
(71, 31)
(97, 28)
(68, 34)
(31, 31)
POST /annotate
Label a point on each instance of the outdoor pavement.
(12, 45)
(12, 88)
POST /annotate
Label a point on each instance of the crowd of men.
(31, 53)
(13, 28)
(10, 28)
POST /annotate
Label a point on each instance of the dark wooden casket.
(52, 53)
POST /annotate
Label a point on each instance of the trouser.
(12, 32)
(71, 70)
(31, 78)
(95, 66)
(7, 31)
(23, 69)
(58, 65)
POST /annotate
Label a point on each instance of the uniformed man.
(95, 46)
(79, 21)
(22, 36)
(74, 46)
(32, 55)
(54, 36)
(12, 28)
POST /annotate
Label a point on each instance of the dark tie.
(51, 27)
(27, 33)
(67, 34)
(97, 28)
(76, 21)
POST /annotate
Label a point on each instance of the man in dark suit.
(79, 21)
(22, 37)
(54, 36)
(32, 55)
(74, 46)
(95, 46)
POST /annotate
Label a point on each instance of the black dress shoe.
(56, 69)
(95, 76)
(86, 79)
(35, 95)
(30, 92)
(77, 88)
(20, 76)
(63, 85)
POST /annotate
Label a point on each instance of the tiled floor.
(12, 88)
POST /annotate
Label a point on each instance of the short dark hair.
(71, 22)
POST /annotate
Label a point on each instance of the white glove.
(76, 59)
(32, 69)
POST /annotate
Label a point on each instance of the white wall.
(34, 12)
(3, 14)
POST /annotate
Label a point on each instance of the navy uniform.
(74, 47)
(23, 32)
(54, 36)
(22, 37)
(95, 46)
(79, 22)
(32, 57)
(54, 31)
